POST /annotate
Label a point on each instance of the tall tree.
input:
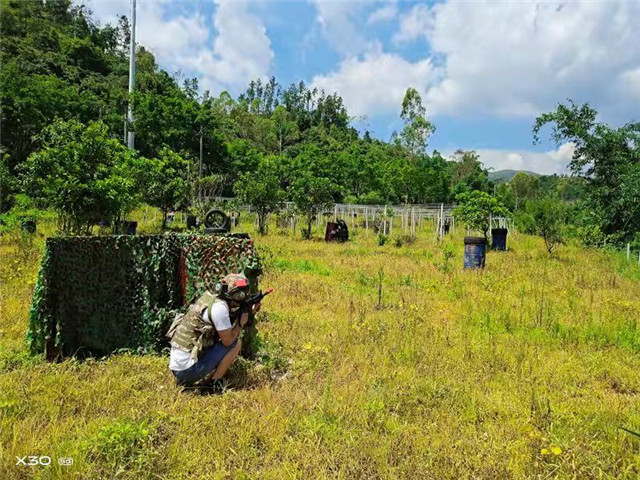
(83, 174)
(608, 158)
(417, 129)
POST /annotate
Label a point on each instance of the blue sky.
(484, 69)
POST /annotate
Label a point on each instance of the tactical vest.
(189, 332)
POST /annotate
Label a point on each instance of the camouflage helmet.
(233, 286)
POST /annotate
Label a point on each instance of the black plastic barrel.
(129, 228)
(499, 238)
(191, 222)
(474, 252)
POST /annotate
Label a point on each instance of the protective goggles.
(237, 294)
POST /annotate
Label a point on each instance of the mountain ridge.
(507, 174)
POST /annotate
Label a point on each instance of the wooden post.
(628, 251)
(366, 221)
(413, 222)
(384, 229)
(335, 213)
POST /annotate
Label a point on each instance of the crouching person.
(204, 342)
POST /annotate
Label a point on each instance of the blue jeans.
(207, 363)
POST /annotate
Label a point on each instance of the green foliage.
(476, 208)
(524, 187)
(123, 445)
(83, 174)
(545, 217)
(262, 190)
(311, 196)
(608, 159)
(23, 210)
(381, 239)
(417, 129)
(448, 253)
(402, 240)
(165, 182)
(467, 173)
(8, 185)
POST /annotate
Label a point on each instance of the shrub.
(84, 174)
(476, 209)
(122, 445)
(401, 240)
(261, 189)
(545, 217)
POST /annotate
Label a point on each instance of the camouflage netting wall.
(96, 295)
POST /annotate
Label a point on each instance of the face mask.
(238, 296)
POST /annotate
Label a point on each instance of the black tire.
(474, 240)
(216, 219)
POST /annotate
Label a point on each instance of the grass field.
(379, 362)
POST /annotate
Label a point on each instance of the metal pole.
(200, 168)
(132, 73)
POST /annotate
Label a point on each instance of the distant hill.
(506, 175)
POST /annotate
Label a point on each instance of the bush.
(476, 209)
(84, 174)
(401, 240)
(126, 445)
(382, 239)
(545, 217)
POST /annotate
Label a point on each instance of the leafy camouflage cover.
(100, 294)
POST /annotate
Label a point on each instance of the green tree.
(417, 129)
(166, 183)
(83, 174)
(311, 196)
(283, 128)
(608, 159)
(8, 185)
(468, 173)
(477, 208)
(547, 218)
(523, 186)
(261, 189)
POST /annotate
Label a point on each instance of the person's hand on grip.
(244, 319)
(257, 307)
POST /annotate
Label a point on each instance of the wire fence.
(384, 219)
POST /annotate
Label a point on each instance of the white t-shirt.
(181, 360)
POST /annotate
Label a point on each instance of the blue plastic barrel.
(499, 238)
(474, 252)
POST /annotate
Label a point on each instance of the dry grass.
(524, 370)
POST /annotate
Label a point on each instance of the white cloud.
(339, 25)
(383, 14)
(376, 83)
(240, 52)
(519, 59)
(547, 163)
(413, 24)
